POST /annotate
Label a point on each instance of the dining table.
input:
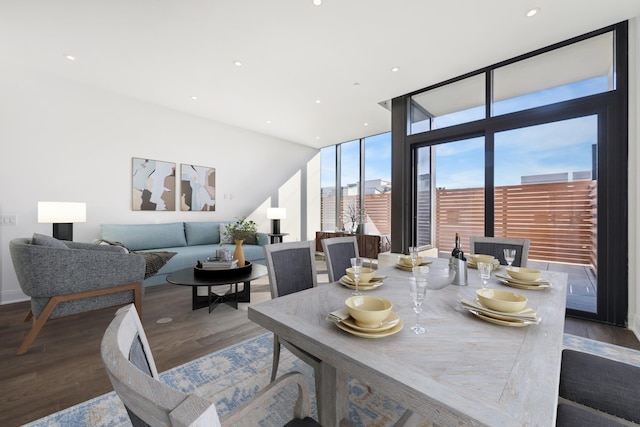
(462, 371)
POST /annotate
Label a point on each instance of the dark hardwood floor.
(63, 367)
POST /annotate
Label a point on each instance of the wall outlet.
(8, 220)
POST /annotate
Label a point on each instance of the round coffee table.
(187, 277)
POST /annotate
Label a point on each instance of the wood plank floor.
(63, 366)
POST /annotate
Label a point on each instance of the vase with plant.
(355, 216)
(240, 231)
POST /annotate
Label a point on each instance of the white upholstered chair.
(150, 402)
(495, 245)
(338, 252)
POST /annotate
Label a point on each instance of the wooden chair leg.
(276, 357)
(29, 316)
(37, 325)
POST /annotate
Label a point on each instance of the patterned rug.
(234, 374)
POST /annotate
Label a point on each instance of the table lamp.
(62, 215)
(275, 215)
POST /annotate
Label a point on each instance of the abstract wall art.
(197, 188)
(154, 185)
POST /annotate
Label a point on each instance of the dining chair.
(127, 358)
(291, 268)
(338, 252)
(495, 245)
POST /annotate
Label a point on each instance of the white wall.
(64, 142)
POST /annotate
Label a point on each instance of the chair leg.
(276, 357)
(29, 316)
(137, 298)
(37, 325)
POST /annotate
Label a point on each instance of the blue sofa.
(191, 241)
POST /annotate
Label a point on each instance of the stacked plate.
(525, 317)
(472, 264)
(535, 285)
(407, 267)
(391, 325)
(375, 282)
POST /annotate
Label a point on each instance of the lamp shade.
(276, 213)
(62, 212)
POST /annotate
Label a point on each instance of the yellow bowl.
(366, 274)
(406, 260)
(522, 273)
(476, 258)
(501, 300)
(368, 311)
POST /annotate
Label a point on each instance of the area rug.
(236, 373)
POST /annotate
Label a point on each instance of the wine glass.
(356, 264)
(484, 269)
(413, 253)
(417, 289)
(509, 255)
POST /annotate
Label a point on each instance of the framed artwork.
(197, 188)
(153, 185)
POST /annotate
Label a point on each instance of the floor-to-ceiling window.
(356, 186)
(549, 161)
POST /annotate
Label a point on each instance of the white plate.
(538, 282)
(361, 286)
(521, 286)
(390, 321)
(382, 334)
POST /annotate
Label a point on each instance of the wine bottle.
(456, 247)
(460, 251)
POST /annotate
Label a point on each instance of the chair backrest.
(495, 245)
(338, 252)
(291, 267)
(129, 363)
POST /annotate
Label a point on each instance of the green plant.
(242, 229)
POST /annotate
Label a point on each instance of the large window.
(356, 178)
(550, 162)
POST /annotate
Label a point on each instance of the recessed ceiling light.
(70, 57)
(395, 69)
(366, 124)
(237, 63)
(268, 122)
(317, 101)
(194, 97)
(533, 12)
(356, 84)
(317, 137)
(317, 2)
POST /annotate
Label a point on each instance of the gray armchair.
(66, 278)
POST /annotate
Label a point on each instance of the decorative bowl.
(368, 311)
(521, 273)
(366, 274)
(476, 258)
(501, 300)
(406, 260)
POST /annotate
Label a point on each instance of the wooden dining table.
(462, 371)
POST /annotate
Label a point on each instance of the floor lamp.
(62, 215)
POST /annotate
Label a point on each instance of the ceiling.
(313, 75)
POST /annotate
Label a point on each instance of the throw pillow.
(42, 240)
(252, 240)
(225, 237)
(120, 245)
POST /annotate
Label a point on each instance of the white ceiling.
(293, 53)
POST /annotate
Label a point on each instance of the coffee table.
(187, 277)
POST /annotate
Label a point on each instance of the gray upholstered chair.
(66, 278)
(291, 268)
(129, 363)
(598, 391)
(495, 245)
(338, 252)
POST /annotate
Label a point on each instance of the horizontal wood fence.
(558, 218)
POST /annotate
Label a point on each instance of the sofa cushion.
(202, 233)
(51, 242)
(145, 236)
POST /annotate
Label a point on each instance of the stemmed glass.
(484, 268)
(413, 253)
(417, 289)
(509, 255)
(356, 264)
